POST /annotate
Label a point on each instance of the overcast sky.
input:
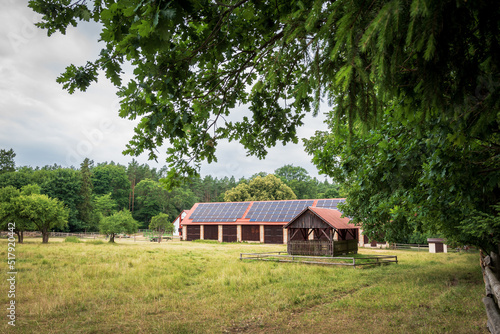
(45, 125)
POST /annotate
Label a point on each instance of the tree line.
(98, 196)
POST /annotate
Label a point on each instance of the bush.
(72, 239)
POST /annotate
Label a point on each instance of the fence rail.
(324, 260)
(416, 247)
(34, 234)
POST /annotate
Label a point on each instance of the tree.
(401, 184)
(152, 199)
(136, 173)
(7, 163)
(420, 60)
(112, 178)
(289, 173)
(11, 210)
(260, 189)
(119, 222)
(179, 199)
(65, 185)
(43, 212)
(161, 223)
(104, 205)
(192, 62)
(298, 179)
(85, 209)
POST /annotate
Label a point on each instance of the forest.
(97, 190)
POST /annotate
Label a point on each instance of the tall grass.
(72, 239)
(186, 287)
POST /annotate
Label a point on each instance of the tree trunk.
(20, 236)
(45, 237)
(112, 237)
(160, 234)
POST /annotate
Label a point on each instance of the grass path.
(190, 287)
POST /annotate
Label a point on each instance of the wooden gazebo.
(318, 231)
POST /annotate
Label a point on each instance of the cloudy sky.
(45, 125)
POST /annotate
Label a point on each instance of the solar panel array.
(276, 211)
(329, 203)
(219, 212)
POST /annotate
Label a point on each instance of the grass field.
(192, 287)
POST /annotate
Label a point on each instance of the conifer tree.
(85, 209)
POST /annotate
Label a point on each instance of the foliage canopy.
(433, 66)
(119, 222)
(266, 188)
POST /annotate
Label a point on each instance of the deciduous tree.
(11, 210)
(65, 185)
(104, 205)
(119, 222)
(260, 189)
(112, 178)
(43, 212)
(162, 224)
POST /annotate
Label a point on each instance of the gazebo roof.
(330, 217)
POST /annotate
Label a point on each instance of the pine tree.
(85, 206)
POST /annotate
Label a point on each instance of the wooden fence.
(324, 260)
(490, 266)
(35, 234)
(416, 247)
(322, 247)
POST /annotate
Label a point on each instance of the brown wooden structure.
(319, 231)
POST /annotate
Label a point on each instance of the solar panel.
(219, 212)
(329, 203)
(276, 211)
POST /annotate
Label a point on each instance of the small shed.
(319, 231)
(437, 245)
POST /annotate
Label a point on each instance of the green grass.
(76, 240)
(186, 287)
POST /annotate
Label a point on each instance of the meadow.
(200, 287)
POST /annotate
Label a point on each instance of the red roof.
(332, 217)
(245, 220)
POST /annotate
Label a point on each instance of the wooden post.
(493, 315)
(494, 261)
(495, 284)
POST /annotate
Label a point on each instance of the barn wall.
(250, 233)
(273, 234)
(229, 233)
(211, 232)
(193, 232)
